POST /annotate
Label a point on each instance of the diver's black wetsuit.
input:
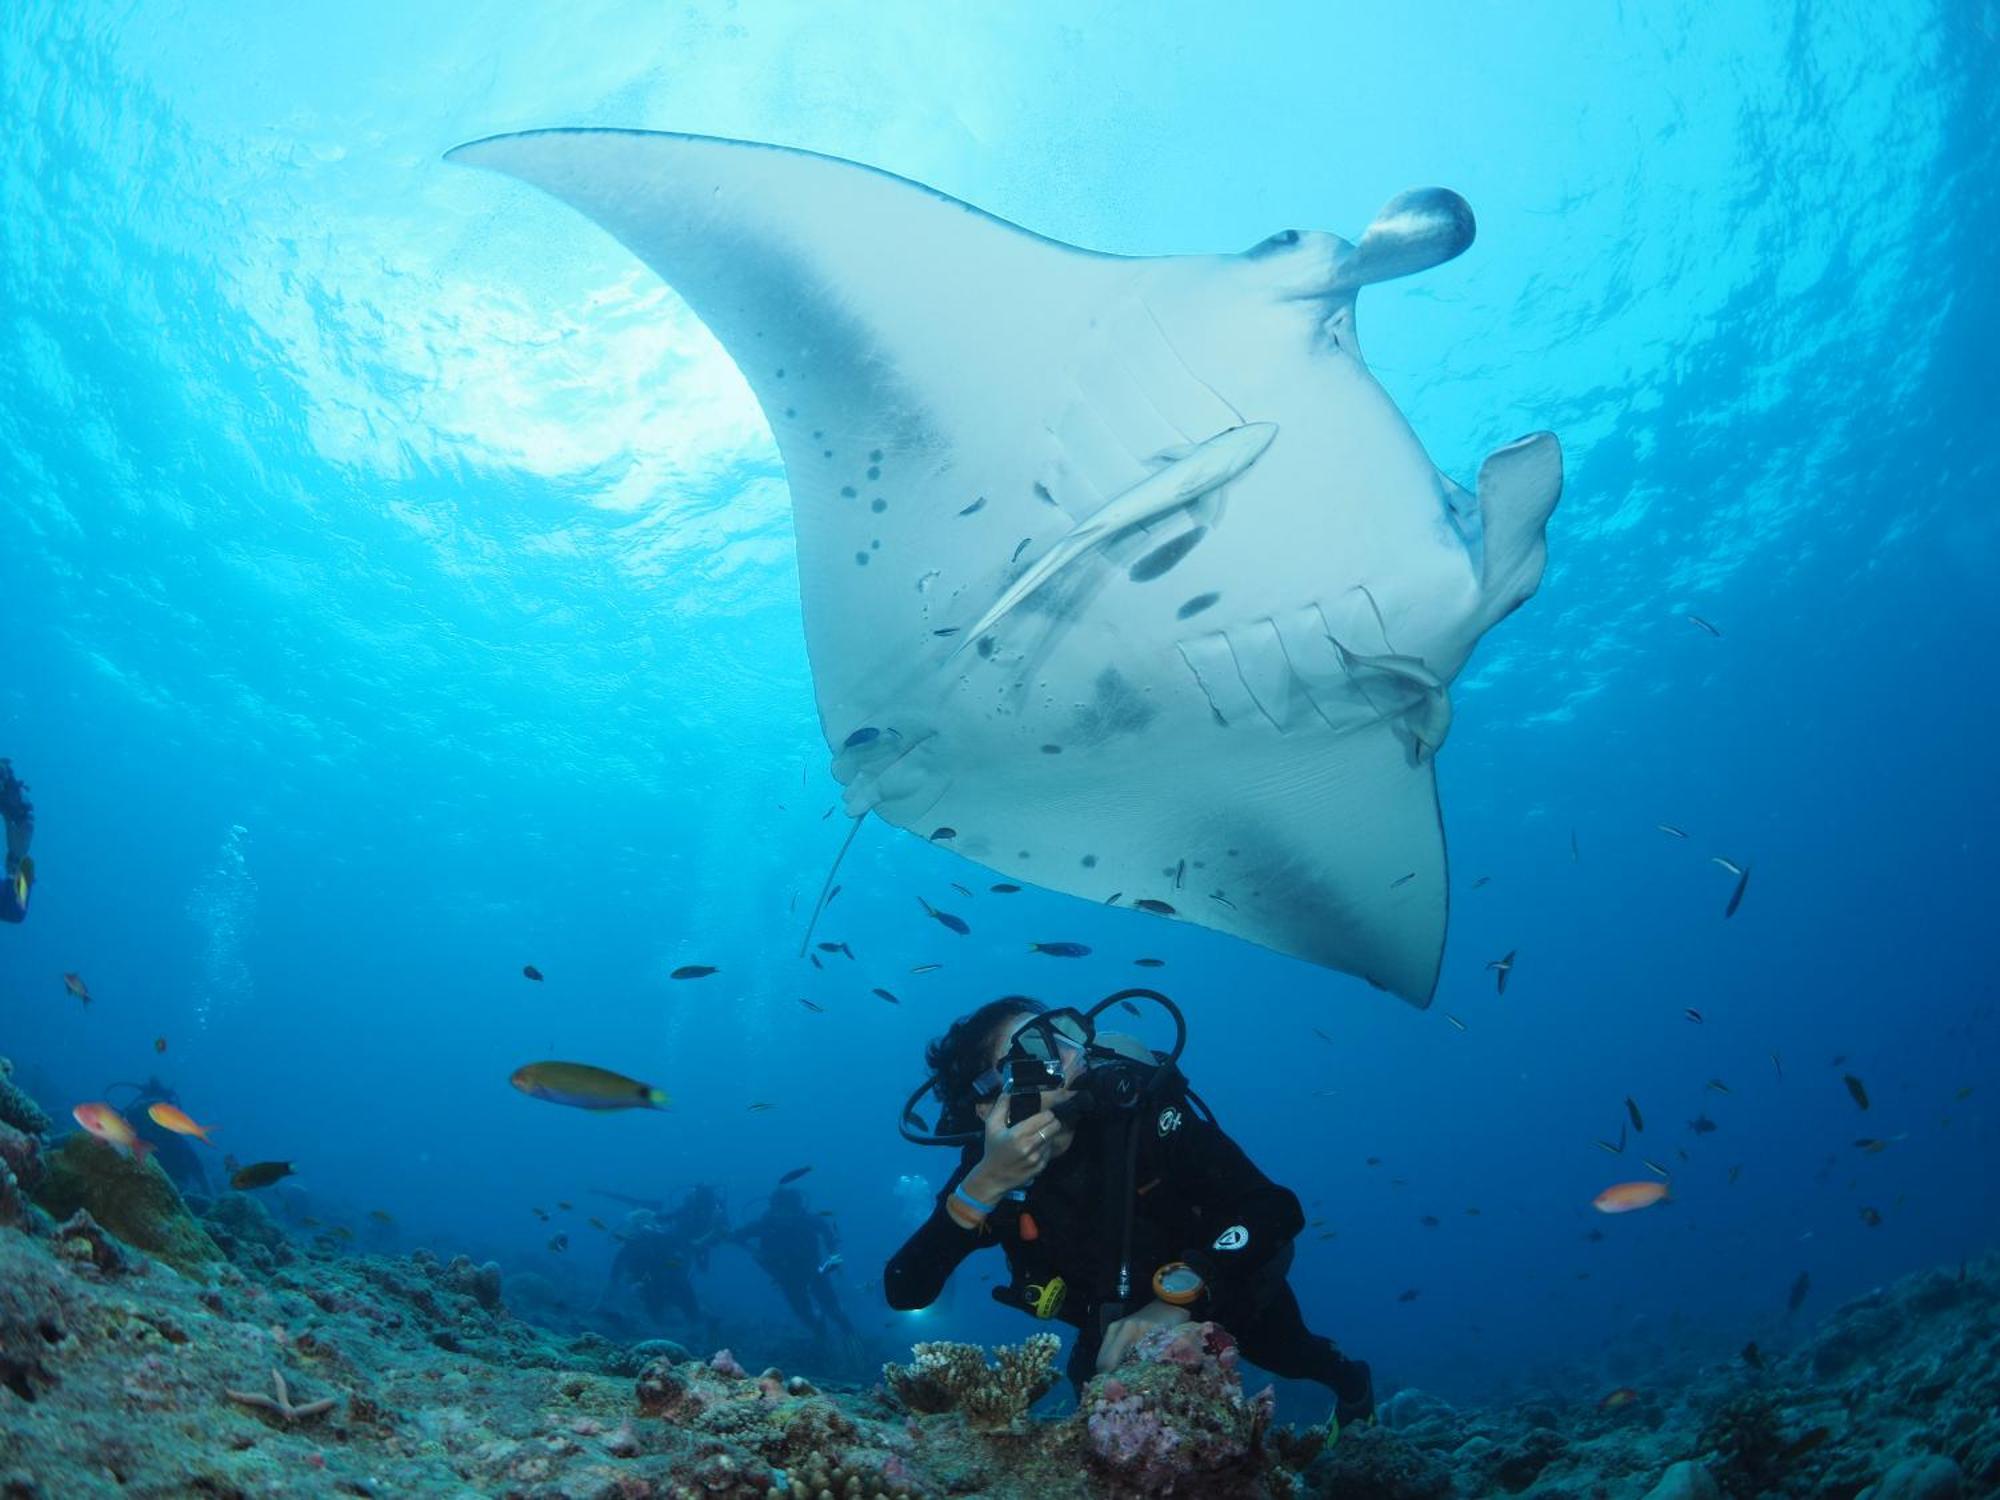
(660, 1253)
(19, 819)
(654, 1260)
(1197, 1199)
(790, 1247)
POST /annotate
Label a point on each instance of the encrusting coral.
(16, 1108)
(135, 1200)
(1173, 1419)
(946, 1377)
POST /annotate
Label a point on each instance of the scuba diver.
(1120, 1203)
(19, 816)
(175, 1156)
(799, 1251)
(660, 1250)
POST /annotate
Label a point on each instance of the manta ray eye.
(1284, 239)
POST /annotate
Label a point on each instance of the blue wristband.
(984, 1210)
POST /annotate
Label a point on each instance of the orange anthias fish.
(1625, 1197)
(1623, 1396)
(167, 1117)
(75, 985)
(104, 1122)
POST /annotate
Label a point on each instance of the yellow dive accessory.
(1046, 1299)
(24, 879)
(1177, 1283)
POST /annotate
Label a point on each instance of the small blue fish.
(945, 918)
(1061, 950)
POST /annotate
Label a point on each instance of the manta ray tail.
(827, 885)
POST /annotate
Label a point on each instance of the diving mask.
(1046, 1053)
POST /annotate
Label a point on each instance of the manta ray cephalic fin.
(1518, 489)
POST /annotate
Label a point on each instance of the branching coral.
(944, 1376)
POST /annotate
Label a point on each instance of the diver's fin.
(1518, 488)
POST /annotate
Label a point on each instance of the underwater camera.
(1106, 1072)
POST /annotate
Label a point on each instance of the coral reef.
(16, 1108)
(247, 1234)
(943, 1377)
(135, 1200)
(409, 1375)
(22, 1125)
(1895, 1394)
(1173, 1420)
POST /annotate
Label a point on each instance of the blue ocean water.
(400, 589)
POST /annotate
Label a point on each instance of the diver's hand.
(1015, 1154)
(1127, 1331)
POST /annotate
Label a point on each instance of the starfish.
(281, 1405)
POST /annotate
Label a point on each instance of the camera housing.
(1027, 1079)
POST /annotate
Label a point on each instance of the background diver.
(660, 1252)
(800, 1252)
(19, 816)
(1120, 1204)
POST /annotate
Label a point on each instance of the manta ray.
(1121, 575)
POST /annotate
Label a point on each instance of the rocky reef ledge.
(223, 1361)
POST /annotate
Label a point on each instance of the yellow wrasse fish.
(167, 1117)
(582, 1086)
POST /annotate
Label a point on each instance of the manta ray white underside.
(1125, 570)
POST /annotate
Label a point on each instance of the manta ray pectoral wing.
(908, 350)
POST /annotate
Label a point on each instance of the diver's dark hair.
(957, 1058)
